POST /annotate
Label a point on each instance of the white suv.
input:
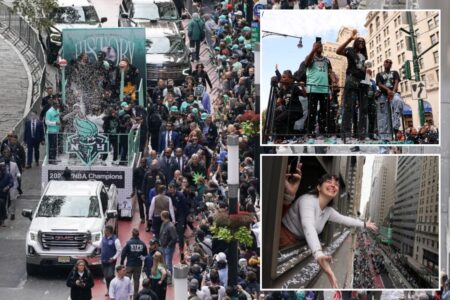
(68, 14)
(68, 223)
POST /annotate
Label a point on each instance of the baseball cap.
(221, 257)
(174, 108)
(123, 104)
(193, 284)
(204, 116)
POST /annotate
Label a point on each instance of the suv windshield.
(69, 206)
(164, 45)
(75, 15)
(155, 11)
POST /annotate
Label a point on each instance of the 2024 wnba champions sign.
(87, 143)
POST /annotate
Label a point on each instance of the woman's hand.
(292, 182)
(371, 225)
(324, 262)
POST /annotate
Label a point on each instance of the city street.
(51, 283)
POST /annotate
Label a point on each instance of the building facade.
(383, 188)
(406, 203)
(385, 40)
(426, 248)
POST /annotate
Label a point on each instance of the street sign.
(255, 32)
(257, 9)
(418, 90)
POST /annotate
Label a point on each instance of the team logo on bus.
(87, 143)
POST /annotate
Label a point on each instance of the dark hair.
(364, 50)
(320, 181)
(135, 232)
(109, 228)
(120, 267)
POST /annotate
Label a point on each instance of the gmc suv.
(68, 224)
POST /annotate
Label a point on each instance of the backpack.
(145, 297)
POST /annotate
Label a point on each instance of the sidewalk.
(13, 87)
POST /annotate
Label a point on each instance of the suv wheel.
(31, 270)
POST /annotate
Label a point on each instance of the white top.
(306, 220)
(120, 289)
(207, 294)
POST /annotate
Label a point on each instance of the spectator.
(196, 34)
(159, 276)
(168, 238)
(120, 287)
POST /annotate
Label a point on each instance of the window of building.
(436, 20)
(396, 34)
(419, 48)
(436, 57)
(421, 62)
(399, 58)
(433, 39)
(430, 24)
(437, 74)
(385, 15)
(377, 22)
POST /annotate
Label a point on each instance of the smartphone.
(293, 165)
(318, 40)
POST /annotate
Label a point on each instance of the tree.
(36, 12)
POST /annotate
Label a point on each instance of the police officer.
(111, 250)
(135, 252)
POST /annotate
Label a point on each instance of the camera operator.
(288, 95)
(80, 281)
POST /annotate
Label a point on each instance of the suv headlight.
(33, 236)
(56, 38)
(96, 237)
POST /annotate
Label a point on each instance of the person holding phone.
(355, 92)
(318, 70)
(80, 281)
(307, 216)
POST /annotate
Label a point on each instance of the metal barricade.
(26, 39)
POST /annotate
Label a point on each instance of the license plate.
(63, 259)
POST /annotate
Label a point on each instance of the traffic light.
(406, 71)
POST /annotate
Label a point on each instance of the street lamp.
(233, 194)
(122, 65)
(62, 65)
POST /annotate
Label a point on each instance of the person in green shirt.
(158, 276)
(188, 102)
(318, 68)
(53, 122)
